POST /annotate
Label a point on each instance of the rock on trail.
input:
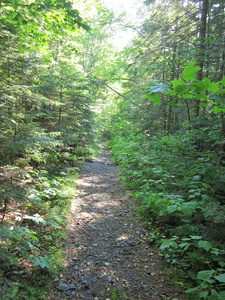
(107, 255)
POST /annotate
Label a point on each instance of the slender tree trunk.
(169, 118)
(222, 74)
(60, 109)
(172, 77)
(223, 63)
(188, 111)
(223, 52)
(163, 98)
(201, 58)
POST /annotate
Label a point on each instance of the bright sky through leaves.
(123, 37)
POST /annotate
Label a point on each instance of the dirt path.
(107, 254)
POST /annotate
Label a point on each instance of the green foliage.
(32, 229)
(42, 261)
(207, 280)
(155, 88)
(178, 188)
(118, 295)
(188, 87)
(190, 71)
(38, 19)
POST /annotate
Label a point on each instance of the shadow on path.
(107, 253)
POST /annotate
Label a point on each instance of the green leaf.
(202, 86)
(195, 237)
(217, 98)
(203, 294)
(213, 87)
(188, 208)
(206, 85)
(190, 71)
(179, 87)
(177, 82)
(192, 290)
(167, 244)
(223, 81)
(205, 275)
(213, 295)
(42, 261)
(14, 290)
(219, 108)
(221, 92)
(185, 246)
(158, 87)
(201, 96)
(173, 102)
(205, 245)
(36, 218)
(154, 97)
(221, 277)
(203, 104)
(171, 208)
(221, 295)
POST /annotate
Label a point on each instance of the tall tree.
(202, 46)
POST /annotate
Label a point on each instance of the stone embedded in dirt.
(66, 287)
(63, 287)
(109, 164)
(110, 279)
(85, 283)
(72, 286)
(75, 259)
(130, 243)
(72, 276)
(91, 257)
(89, 160)
(70, 293)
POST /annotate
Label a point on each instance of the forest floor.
(107, 253)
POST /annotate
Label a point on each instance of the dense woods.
(159, 104)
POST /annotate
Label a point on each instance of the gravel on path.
(107, 254)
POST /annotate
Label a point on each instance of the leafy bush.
(35, 203)
(178, 182)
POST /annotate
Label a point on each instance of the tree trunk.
(201, 57)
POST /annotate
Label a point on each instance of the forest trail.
(107, 253)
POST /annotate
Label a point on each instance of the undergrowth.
(178, 181)
(35, 203)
